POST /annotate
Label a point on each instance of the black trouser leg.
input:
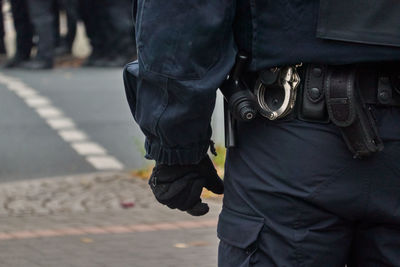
(43, 19)
(71, 7)
(123, 40)
(56, 7)
(299, 198)
(23, 28)
(2, 33)
(94, 19)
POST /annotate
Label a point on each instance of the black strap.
(347, 110)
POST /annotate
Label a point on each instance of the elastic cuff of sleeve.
(172, 156)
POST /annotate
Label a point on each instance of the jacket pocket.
(239, 235)
(181, 39)
(360, 21)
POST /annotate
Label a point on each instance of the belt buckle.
(277, 97)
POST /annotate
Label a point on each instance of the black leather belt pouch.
(360, 21)
(348, 111)
(312, 106)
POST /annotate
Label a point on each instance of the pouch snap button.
(315, 93)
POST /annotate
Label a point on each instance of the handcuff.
(273, 96)
(276, 91)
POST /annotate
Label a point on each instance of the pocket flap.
(360, 21)
(237, 229)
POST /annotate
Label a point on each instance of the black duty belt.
(341, 95)
(379, 84)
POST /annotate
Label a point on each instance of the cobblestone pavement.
(82, 193)
(103, 219)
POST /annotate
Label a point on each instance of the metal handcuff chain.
(288, 80)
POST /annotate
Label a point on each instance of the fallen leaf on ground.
(181, 245)
(87, 240)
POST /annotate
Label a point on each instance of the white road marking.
(37, 101)
(26, 93)
(95, 154)
(17, 86)
(49, 112)
(60, 123)
(72, 135)
(105, 163)
(88, 148)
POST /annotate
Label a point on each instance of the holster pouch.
(348, 111)
(312, 106)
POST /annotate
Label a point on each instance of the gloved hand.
(180, 186)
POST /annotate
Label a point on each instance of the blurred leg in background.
(3, 52)
(121, 43)
(43, 18)
(56, 9)
(24, 33)
(95, 19)
(70, 7)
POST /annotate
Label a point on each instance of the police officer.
(313, 180)
(24, 31)
(43, 19)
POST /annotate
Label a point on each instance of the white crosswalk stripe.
(94, 153)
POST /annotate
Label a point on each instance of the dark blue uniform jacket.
(187, 48)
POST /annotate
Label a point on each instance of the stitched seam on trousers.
(367, 191)
(296, 226)
(387, 163)
(329, 180)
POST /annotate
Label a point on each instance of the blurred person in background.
(43, 19)
(24, 33)
(114, 45)
(107, 22)
(94, 17)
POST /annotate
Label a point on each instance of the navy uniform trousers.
(294, 196)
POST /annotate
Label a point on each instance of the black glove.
(180, 186)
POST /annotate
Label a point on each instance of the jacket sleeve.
(185, 51)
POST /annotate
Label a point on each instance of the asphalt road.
(99, 133)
